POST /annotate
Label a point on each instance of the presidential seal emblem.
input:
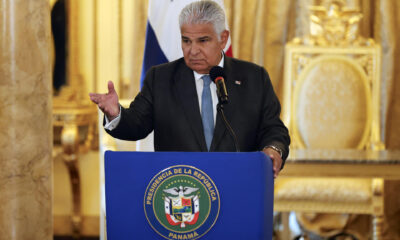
(181, 202)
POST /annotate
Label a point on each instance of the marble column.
(25, 120)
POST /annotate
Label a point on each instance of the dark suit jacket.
(168, 104)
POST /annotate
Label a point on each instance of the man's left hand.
(276, 160)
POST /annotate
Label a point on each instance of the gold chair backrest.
(331, 96)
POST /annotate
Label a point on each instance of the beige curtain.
(139, 33)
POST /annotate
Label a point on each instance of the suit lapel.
(186, 91)
(229, 108)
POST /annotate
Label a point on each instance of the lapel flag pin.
(238, 82)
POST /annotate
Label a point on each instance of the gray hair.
(204, 12)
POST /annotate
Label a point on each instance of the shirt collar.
(197, 76)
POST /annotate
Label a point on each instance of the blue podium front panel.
(177, 195)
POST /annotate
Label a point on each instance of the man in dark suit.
(170, 103)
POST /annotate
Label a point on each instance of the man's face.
(201, 47)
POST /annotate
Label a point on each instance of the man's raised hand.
(108, 103)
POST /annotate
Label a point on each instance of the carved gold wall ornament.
(334, 25)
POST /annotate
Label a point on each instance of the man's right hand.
(108, 103)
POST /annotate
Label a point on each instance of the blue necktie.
(207, 115)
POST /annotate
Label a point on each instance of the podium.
(182, 195)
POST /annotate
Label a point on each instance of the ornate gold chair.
(331, 101)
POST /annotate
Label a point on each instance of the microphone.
(217, 75)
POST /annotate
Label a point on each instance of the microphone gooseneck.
(220, 109)
(218, 76)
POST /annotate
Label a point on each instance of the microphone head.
(215, 72)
